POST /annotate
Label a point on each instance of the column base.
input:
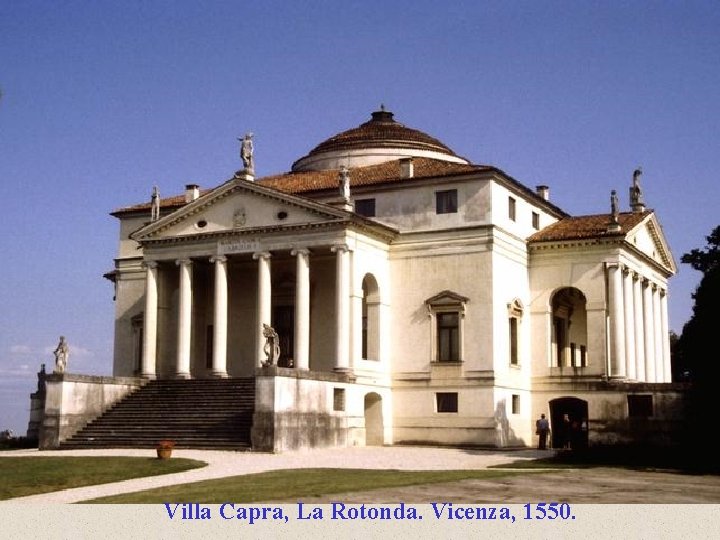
(342, 370)
(149, 376)
(182, 376)
(219, 375)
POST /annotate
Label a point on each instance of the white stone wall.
(74, 400)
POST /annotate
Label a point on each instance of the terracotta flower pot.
(164, 453)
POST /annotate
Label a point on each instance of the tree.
(697, 349)
(699, 336)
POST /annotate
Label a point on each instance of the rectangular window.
(583, 356)
(446, 201)
(573, 358)
(511, 208)
(516, 404)
(536, 221)
(640, 406)
(513, 341)
(338, 399)
(365, 207)
(447, 337)
(446, 402)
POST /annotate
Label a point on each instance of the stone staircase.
(198, 413)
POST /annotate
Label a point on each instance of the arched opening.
(569, 328)
(370, 319)
(569, 423)
(374, 429)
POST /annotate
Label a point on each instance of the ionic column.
(182, 366)
(657, 325)
(639, 329)
(342, 307)
(617, 323)
(665, 337)
(302, 308)
(220, 318)
(649, 336)
(264, 302)
(629, 325)
(149, 351)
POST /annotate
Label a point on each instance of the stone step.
(212, 413)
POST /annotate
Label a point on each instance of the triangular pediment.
(446, 299)
(239, 206)
(648, 238)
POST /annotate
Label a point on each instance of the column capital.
(218, 258)
(262, 255)
(150, 264)
(339, 247)
(182, 262)
(614, 266)
(300, 251)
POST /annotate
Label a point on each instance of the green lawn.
(292, 485)
(23, 476)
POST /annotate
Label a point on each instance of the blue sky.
(101, 100)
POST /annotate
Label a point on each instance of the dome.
(378, 140)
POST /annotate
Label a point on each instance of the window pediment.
(447, 301)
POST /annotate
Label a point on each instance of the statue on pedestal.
(272, 345)
(61, 352)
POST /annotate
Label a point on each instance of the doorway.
(374, 429)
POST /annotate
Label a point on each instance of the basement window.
(516, 404)
(338, 399)
(446, 402)
(640, 405)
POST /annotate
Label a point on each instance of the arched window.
(569, 328)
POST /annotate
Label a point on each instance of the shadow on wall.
(505, 436)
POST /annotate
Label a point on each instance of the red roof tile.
(298, 183)
(585, 227)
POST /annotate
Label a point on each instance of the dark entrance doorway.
(284, 324)
(574, 433)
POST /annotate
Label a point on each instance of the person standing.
(566, 431)
(542, 429)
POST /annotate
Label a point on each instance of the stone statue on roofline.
(61, 352)
(614, 203)
(272, 345)
(636, 198)
(155, 204)
(246, 153)
(614, 223)
(344, 183)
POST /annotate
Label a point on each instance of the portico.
(213, 306)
